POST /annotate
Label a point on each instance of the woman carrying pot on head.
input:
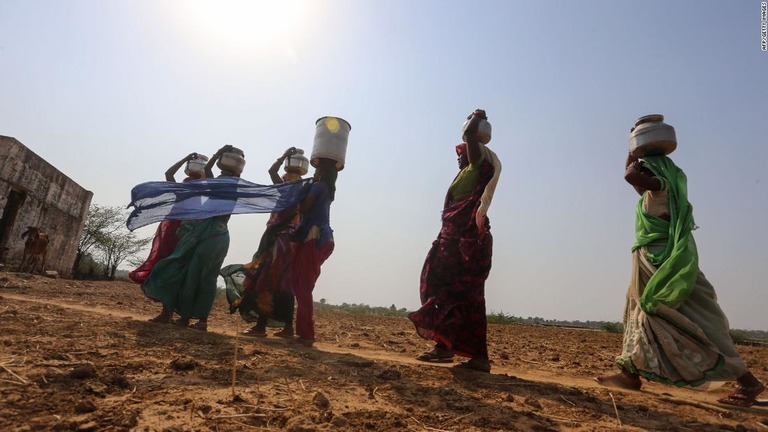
(260, 289)
(674, 329)
(185, 281)
(313, 244)
(165, 237)
(453, 277)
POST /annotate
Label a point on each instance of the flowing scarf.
(490, 188)
(202, 199)
(677, 265)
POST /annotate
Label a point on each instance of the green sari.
(674, 329)
(185, 281)
(677, 263)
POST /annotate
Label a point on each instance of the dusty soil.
(80, 356)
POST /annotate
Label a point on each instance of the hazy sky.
(114, 92)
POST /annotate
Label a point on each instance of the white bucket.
(331, 135)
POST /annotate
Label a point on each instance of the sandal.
(199, 326)
(437, 355)
(744, 397)
(161, 319)
(306, 342)
(287, 334)
(253, 331)
(181, 322)
(479, 365)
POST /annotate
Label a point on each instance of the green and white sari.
(674, 329)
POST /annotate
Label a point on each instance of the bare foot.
(622, 380)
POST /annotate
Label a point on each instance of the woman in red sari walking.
(453, 278)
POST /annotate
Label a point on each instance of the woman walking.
(453, 278)
(313, 244)
(165, 237)
(185, 281)
(260, 289)
(675, 331)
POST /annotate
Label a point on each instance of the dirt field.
(80, 356)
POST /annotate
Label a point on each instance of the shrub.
(612, 327)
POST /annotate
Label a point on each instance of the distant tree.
(323, 301)
(106, 239)
(117, 247)
(100, 223)
(88, 268)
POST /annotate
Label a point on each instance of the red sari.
(163, 244)
(453, 278)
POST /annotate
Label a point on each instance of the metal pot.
(483, 131)
(651, 136)
(196, 166)
(232, 161)
(297, 163)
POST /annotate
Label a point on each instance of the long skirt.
(163, 244)
(684, 346)
(185, 281)
(308, 257)
(261, 288)
(453, 295)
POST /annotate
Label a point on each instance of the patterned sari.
(453, 278)
(260, 287)
(674, 329)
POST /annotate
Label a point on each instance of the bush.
(502, 318)
(612, 327)
(738, 335)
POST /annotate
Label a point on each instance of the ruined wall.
(51, 200)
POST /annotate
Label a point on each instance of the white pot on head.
(331, 136)
(232, 161)
(651, 136)
(297, 163)
(483, 131)
(196, 165)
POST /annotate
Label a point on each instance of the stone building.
(35, 193)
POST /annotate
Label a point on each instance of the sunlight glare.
(247, 23)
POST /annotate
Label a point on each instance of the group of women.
(675, 332)
(186, 258)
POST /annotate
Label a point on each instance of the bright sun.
(246, 23)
